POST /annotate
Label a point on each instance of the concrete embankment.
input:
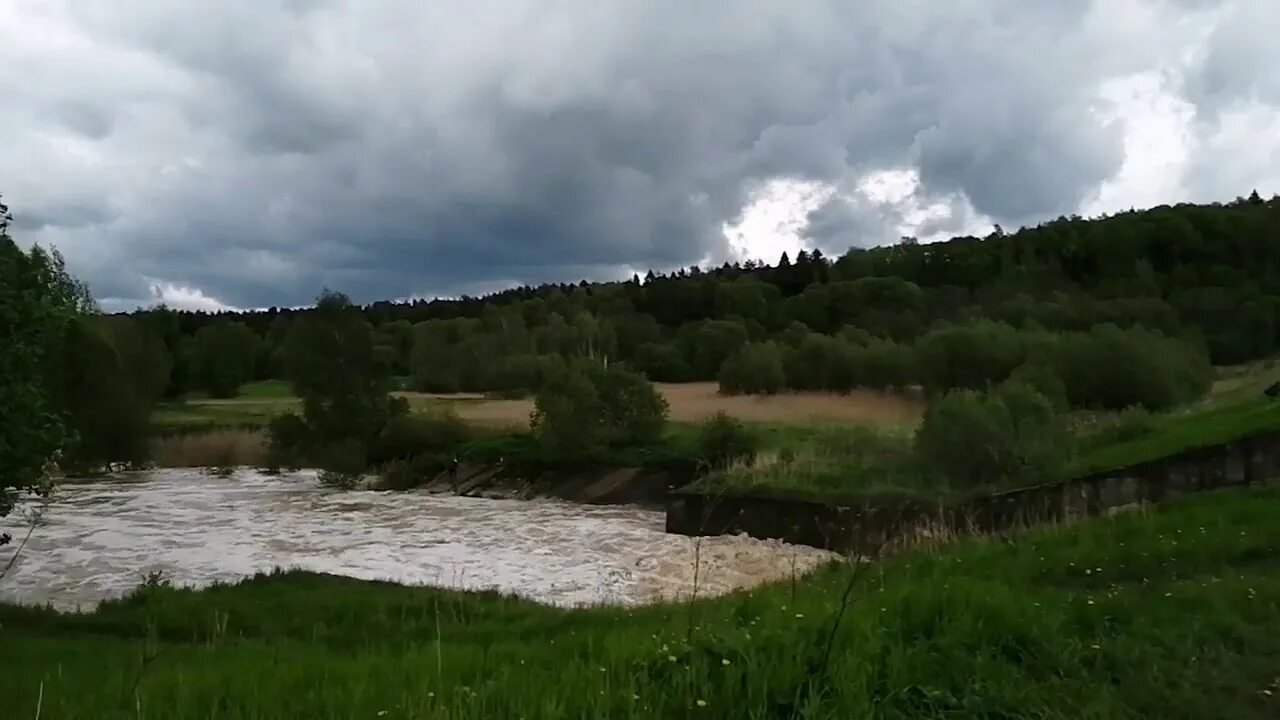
(610, 486)
(850, 527)
(872, 526)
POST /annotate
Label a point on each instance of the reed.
(211, 448)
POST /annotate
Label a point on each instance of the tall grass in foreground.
(1172, 613)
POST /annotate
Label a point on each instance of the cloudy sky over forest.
(251, 152)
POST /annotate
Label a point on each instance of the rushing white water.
(99, 539)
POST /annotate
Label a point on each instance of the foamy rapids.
(99, 539)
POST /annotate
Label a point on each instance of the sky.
(249, 153)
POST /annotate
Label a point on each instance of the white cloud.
(889, 186)
(1241, 151)
(774, 220)
(180, 297)
(1158, 143)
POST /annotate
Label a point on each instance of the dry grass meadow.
(212, 448)
(691, 402)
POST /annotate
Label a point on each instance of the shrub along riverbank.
(1169, 613)
(832, 462)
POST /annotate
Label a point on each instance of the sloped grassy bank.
(870, 524)
(1170, 613)
(837, 464)
(860, 488)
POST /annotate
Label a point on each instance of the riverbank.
(871, 524)
(850, 488)
(100, 536)
(1172, 612)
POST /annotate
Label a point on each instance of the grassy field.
(849, 462)
(692, 402)
(827, 463)
(835, 463)
(1176, 432)
(198, 429)
(258, 402)
(188, 417)
(1170, 613)
(1236, 382)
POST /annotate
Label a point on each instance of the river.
(98, 539)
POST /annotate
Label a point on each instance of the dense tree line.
(347, 410)
(1111, 313)
(1105, 313)
(350, 424)
(32, 314)
(76, 386)
(1205, 275)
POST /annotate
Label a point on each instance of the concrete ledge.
(868, 527)
(600, 486)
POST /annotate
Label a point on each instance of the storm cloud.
(252, 153)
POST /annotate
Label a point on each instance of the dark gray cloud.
(259, 152)
(1239, 59)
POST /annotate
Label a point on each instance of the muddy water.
(99, 539)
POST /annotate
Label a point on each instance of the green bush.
(1045, 380)
(434, 380)
(855, 336)
(33, 312)
(1130, 424)
(519, 375)
(1009, 435)
(1112, 369)
(794, 334)
(821, 362)
(288, 441)
(724, 441)
(332, 363)
(662, 362)
(408, 436)
(754, 369)
(973, 356)
(567, 416)
(634, 412)
(343, 463)
(222, 357)
(707, 344)
(106, 412)
(591, 408)
(883, 364)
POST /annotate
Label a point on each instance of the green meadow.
(1172, 612)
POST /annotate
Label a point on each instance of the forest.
(1204, 276)
(1106, 314)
